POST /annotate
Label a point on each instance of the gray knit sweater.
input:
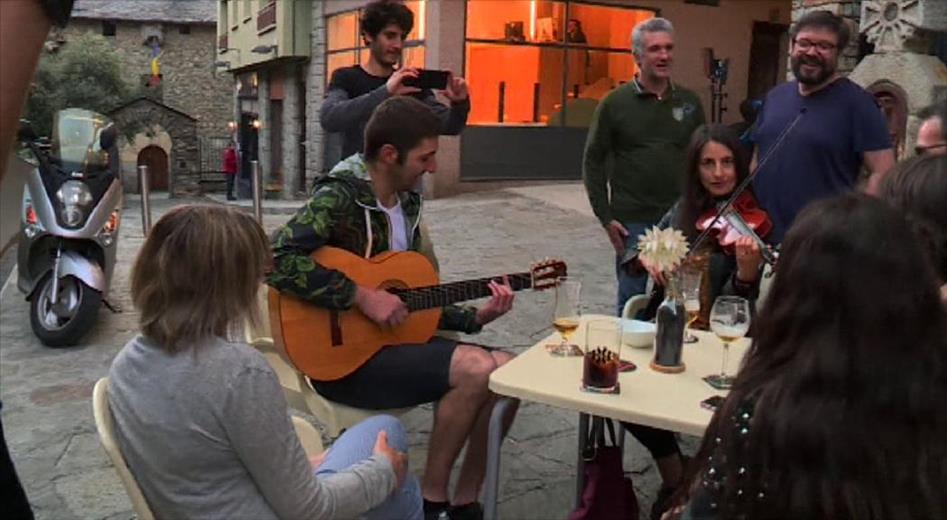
(207, 435)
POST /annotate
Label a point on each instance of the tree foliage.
(84, 73)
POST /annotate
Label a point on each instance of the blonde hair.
(198, 274)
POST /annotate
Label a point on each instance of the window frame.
(564, 46)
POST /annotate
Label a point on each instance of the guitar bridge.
(335, 328)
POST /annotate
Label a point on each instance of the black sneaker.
(439, 514)
(471, 511)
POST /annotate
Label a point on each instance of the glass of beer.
(601, 357)
(690, 292)
(730, 321)
(566, 316)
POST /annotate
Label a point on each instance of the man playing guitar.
(366, 206)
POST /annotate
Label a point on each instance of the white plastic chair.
(633, 305)
(106, 430)
(308, 436)
(297, 388)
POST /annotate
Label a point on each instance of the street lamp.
(263, 49)
(221, 63)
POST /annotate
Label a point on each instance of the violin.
(743, 217)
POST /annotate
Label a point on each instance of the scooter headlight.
(74, 196)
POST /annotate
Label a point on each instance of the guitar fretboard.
(433, 296)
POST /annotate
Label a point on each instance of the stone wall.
(149, 118)
(315, 92)
(189, 81)
(848, 9)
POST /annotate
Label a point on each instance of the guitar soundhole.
(393, 284)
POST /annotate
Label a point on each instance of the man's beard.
(379, 55)
(825, 70)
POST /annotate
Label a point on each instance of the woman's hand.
(749, 259)
(399, 460)
(655, 273)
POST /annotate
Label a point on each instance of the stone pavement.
(47, 411)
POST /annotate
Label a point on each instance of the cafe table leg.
(494, 440)
(580, 459)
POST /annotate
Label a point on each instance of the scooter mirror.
(107, 137)
(26, 132)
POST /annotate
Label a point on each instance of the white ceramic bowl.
(638, 334)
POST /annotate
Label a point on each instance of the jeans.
(628, 285)
(231, 177)
(356, 445)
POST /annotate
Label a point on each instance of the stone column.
(315, 92)
(292, 132)
(263, 100)
(444, 49)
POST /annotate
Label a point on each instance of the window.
(108, 28)
(247, 11)
(184, 29)
(546, 62)
(346, 48)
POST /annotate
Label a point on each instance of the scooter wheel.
(64, 323)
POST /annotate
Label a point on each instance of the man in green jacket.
(366, 206)
(644, 126)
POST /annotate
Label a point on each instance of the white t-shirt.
(398, 241)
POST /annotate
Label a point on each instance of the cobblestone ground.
(46, 393)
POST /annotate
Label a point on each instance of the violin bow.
(743, 186)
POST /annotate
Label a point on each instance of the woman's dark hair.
(402, 122)
(918, 187)
(381, 13)
(846, 378)
(823, 19)
(696, 199)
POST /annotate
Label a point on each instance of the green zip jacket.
(336, 216)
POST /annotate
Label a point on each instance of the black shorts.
(398, 376)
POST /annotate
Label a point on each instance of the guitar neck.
(434, 296)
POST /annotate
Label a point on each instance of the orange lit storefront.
(538, 68)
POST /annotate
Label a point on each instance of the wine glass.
(566, 316)
(730, 321)
(690, 292)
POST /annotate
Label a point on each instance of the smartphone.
(429, 79)
(712, 403)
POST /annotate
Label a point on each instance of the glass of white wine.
(566, 316)
(730, 321)
(690, 292)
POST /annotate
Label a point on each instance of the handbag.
(608, 494)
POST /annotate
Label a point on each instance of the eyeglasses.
(921, 150)
(805, 45)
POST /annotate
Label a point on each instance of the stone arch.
(893, 102)
(146, 122)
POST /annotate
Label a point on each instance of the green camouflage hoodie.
(336, 216)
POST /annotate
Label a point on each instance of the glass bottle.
(671, 320)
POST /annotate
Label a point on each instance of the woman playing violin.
(716, 163)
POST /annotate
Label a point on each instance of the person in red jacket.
(230, 168)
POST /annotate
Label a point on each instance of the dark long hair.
(918, 187)
(695, 199)
(846, 378)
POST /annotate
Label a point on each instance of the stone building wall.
(189, 81)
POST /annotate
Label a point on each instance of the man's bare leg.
(475, 460)
(454, 417)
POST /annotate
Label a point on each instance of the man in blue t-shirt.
(839, 129)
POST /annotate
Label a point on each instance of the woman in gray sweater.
(202, 421)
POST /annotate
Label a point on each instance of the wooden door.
(157, 162)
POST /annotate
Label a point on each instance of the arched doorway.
(893, 103)
(157, 162)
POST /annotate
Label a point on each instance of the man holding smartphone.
(355, 91)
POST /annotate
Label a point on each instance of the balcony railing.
(266, 18)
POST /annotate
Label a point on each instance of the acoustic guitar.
(327, 344)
